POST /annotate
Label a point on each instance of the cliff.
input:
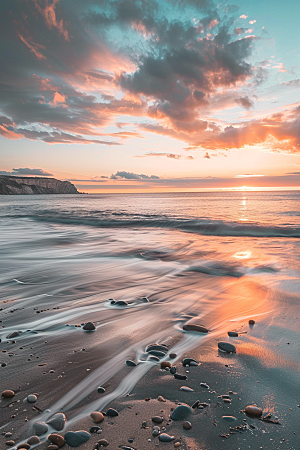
(10, 185)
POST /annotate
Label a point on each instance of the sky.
(146, 95)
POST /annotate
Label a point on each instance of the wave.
(204, 227)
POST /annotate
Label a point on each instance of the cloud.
(132, 176)
(206, 156)
(245, 102)
(158, 154)
(243, 16)
(248, 175)
(27, 171)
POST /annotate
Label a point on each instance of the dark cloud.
(206, 155)
(245, 102)
(27, 171)
(132, 176)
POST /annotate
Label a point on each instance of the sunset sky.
(145, 95)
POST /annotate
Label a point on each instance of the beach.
(215, 259)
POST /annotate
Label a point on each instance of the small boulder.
(76, 438)
(181, 412)
(57, 421)
(253, 411)
(40, 428)
(164, 437)
(226, 347)
(165, 364)
(89, 326)
(8, 393)
(33, 440)
(56, 439)
(97, 416)
(112, 412)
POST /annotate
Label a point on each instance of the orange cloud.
(59, 100)
(51, 21)
(33, 47)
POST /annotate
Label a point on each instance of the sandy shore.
(64, 365)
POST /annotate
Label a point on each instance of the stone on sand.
(76, 438)
(121, 303)
(100, 390)
(33, 440)
(232, 333)
(226, 347)
(165, 364)
(129, 362)
(164, 437)
(189, 362)
(253, 411)
(40, 428)
(57, 421)
(13, 335)
(178, 376)
(103, 443)
(56, 439)
(187, 425)
(112, 412)
(251, 322)
(181, 412)
(186, 388)
(159, 347)
(89, 326)
(8, 393)
(31, 398)
(157, 419)
(194, 327)
(97, 416)
(229, 418)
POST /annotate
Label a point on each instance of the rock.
(194, 327)
(186, 388)
(121, 303)
(177, 444)
(164, 437)
(144, 299)
(189, 362)
(194, 405)
(97, 416)
(157, 353)
(229, 418)
(112, 412)
(159, 347)
(173, 370)
(94, 429)
(103, 443)
(165, 364)
(253, 411)
(40, 428)
(57, 421)
(8, 434)
(76, 438)
(157, 419)
(251, 322)
(89, 326)
(112, 302)
(180, 377)
(232, 333)
(160, 398)
(155, 433)
(8, 394)
(13, 335)
(130, 363)
(10, 443)
(187, 425)
(172, 355)
(204, 385)
(153, 358)
(226, 347)
(56, 439)
(33, 440)
(100, 390)
(31, 398)
(181, 412)
(25, 446)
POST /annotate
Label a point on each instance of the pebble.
(121, 303)
(130, 363)
(12, 335)
(186, 388)
(25, 446)
(180, 412)
(157, 353)
(232, 333)
(103, 443)
(164, 437)
(251, 322)
(100, 390)
(94, 429)
(189, 362)
(157, 419)
(160, 398)
(205, 385)
(226, 347)
(187, 425)
(159, 347)
(180, 377)
(40, 428)
(76, 438)
(57, 421)
(8, 434)
(253, 410)
(194, 327)
(56, 439)
(165, 364)
(31, 398)
(194, 405)
(172, 355)
(155, 433)
(8, 394)
(97, 416)
(112, 412)
(177, 444)
(228, 418)
(145, 300)
(173, 370)
(33, 440)
(10, 443)
(89, 326)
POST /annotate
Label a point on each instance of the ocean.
(219, 257)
